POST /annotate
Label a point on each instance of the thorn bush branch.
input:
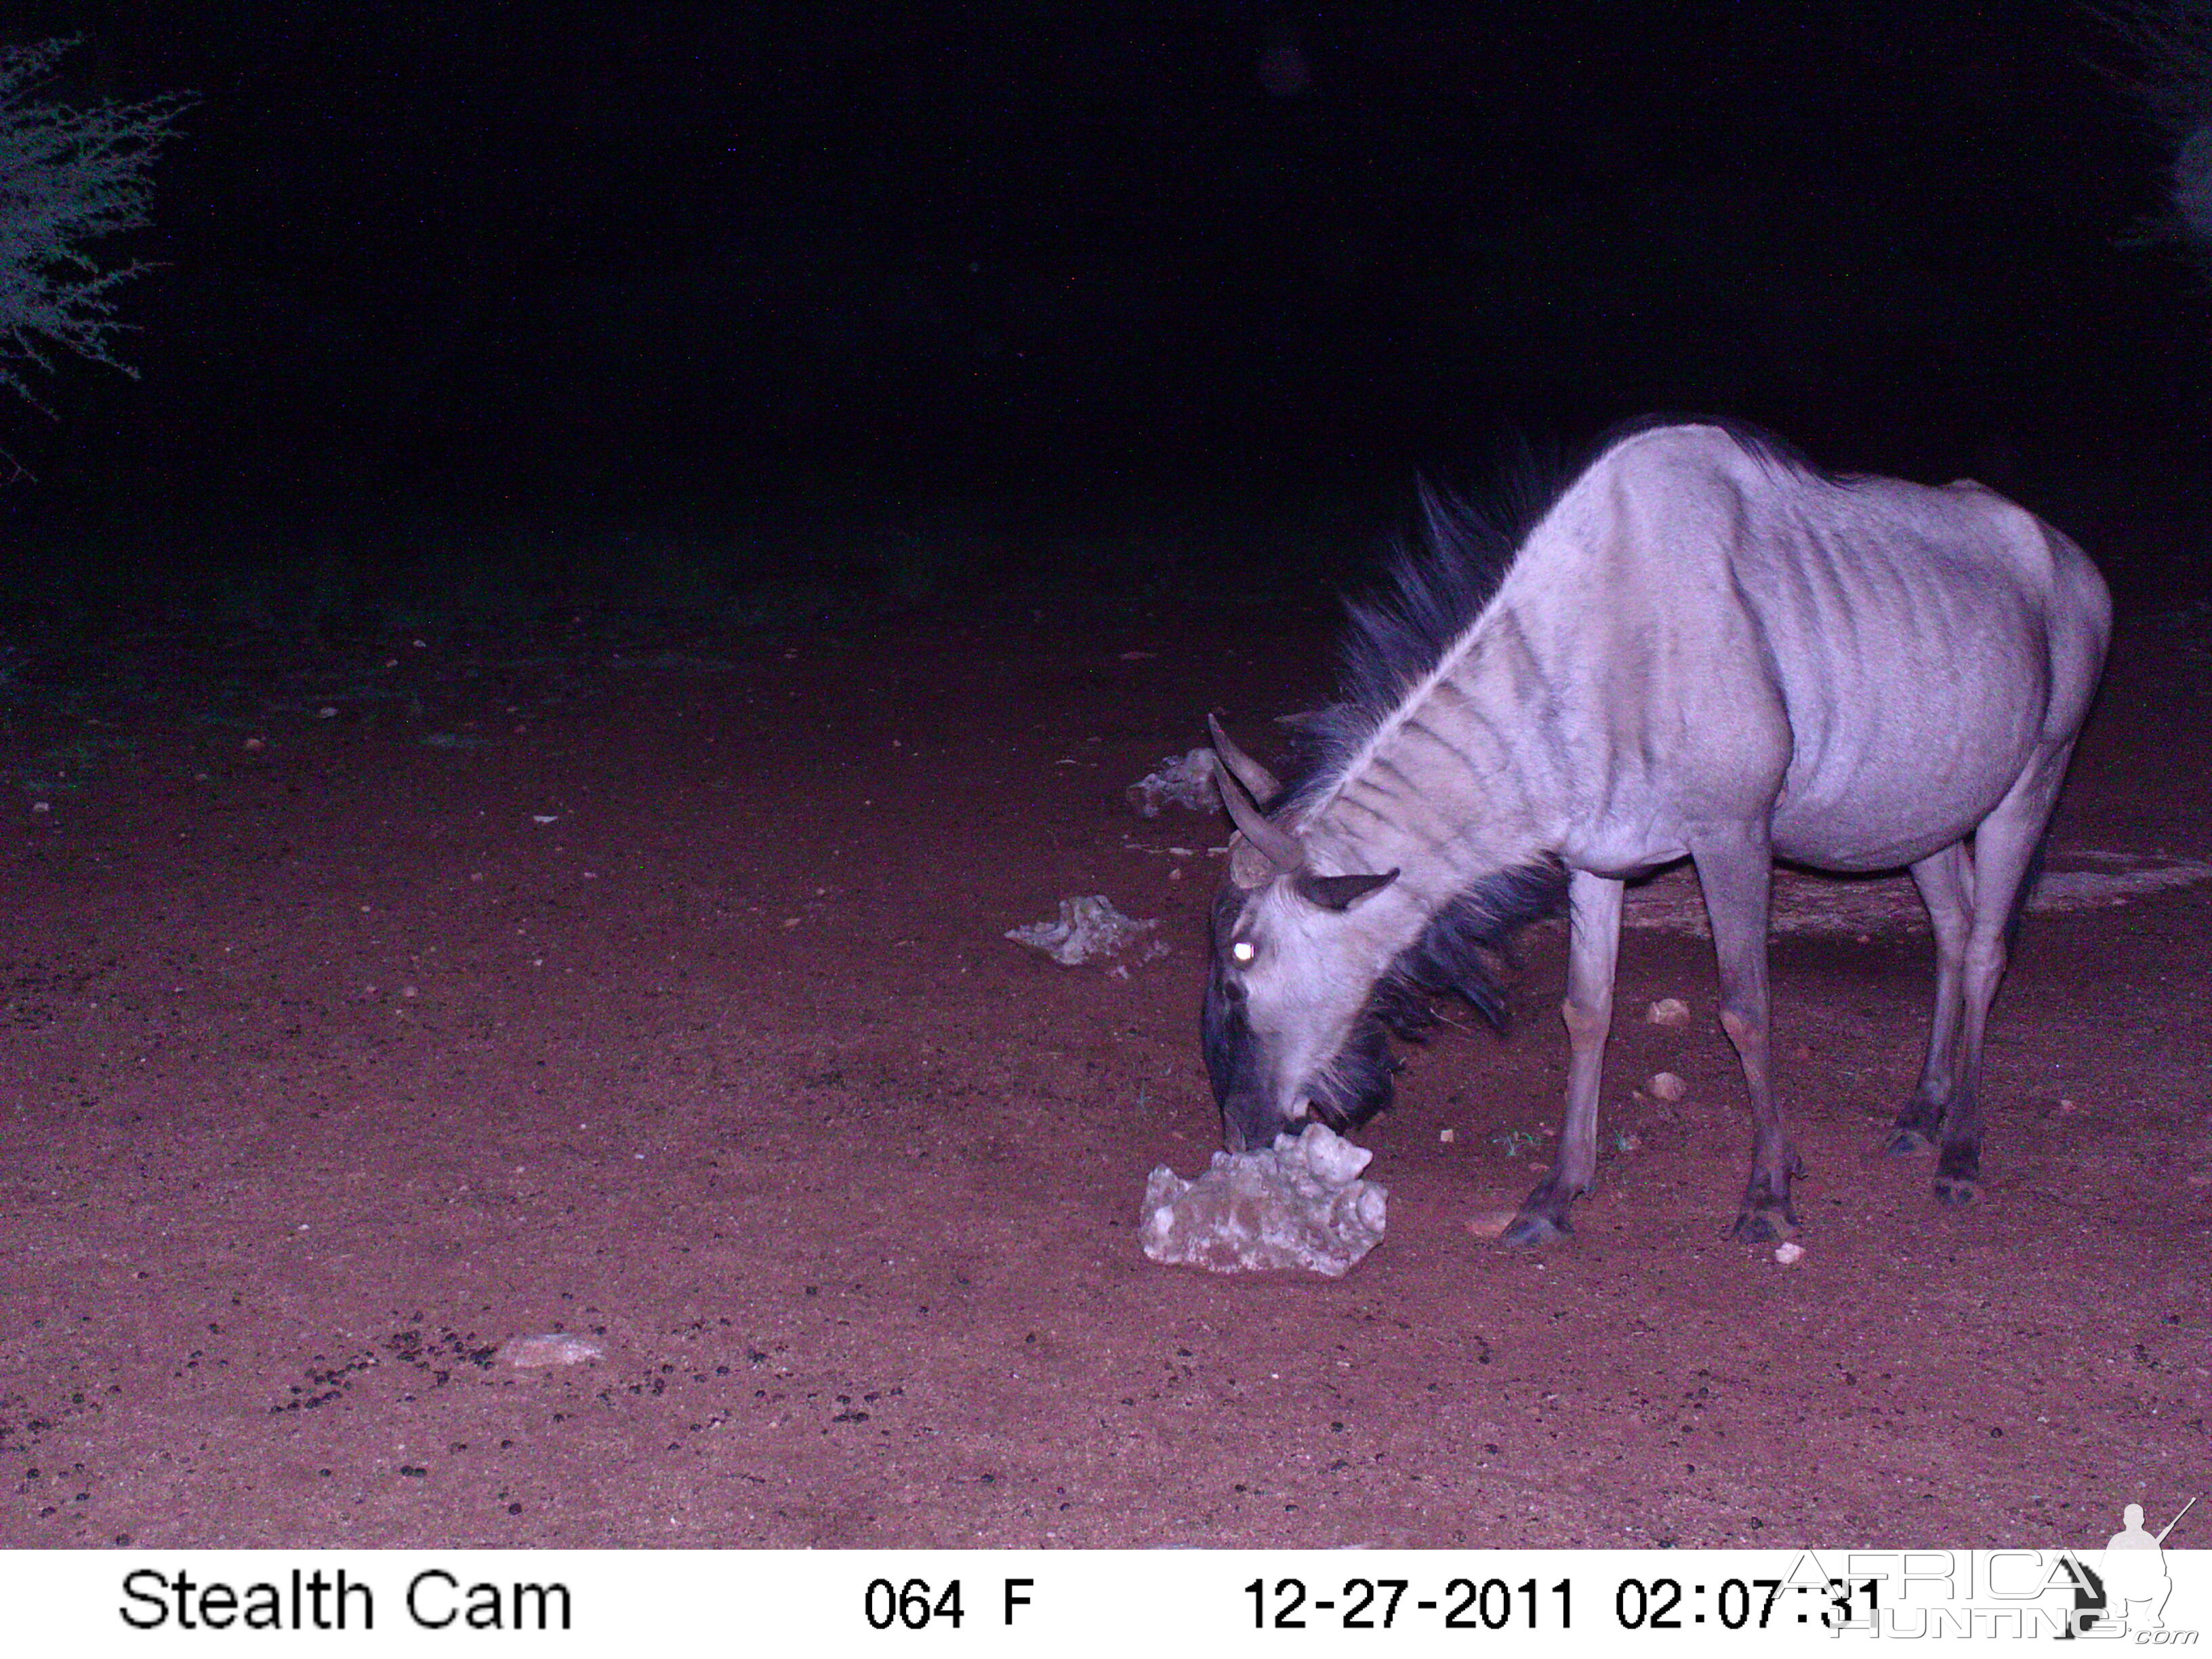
(69, 176)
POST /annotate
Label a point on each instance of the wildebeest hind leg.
(1945, 880)
(1592, 950)
(2005, 846)
(1735, 869)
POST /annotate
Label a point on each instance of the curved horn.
(1254, 776)
(1280, 848)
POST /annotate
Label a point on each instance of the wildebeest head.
(1292, 1023)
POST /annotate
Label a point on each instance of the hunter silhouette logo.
(2135, 1570)
(2127, 1591)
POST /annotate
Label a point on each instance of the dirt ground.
(369, 1006)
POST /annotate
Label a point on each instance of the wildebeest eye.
(1243, 950)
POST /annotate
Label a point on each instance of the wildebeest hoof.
(1907, 1143)
(1957, 1191)
(1763, 1227)
(1529, 1229)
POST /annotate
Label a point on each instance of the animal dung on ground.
(1087, 928)
(554, 1348)
(1666, 1086)
(1667, 1010)
(1299, 1204)
(1181, 780)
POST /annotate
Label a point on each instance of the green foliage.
(69, 176)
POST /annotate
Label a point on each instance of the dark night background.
(1204, 277)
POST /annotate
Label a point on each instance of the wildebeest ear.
(1256, 778)
(1340, 892)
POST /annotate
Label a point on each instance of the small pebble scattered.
(1667, 1010)
(1666, 1086)
(1786, 1254)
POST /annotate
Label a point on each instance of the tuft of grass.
(1513, 1142)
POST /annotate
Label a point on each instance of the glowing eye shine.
(1243, 950)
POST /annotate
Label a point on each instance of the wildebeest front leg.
(1946, 881)
(1736, 872)
(1593, 948)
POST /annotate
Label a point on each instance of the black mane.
(1465, 944)
(1434, 587)
(1430, 594)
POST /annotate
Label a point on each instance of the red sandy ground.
(328, 1066)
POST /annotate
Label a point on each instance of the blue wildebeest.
(1705, 649)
